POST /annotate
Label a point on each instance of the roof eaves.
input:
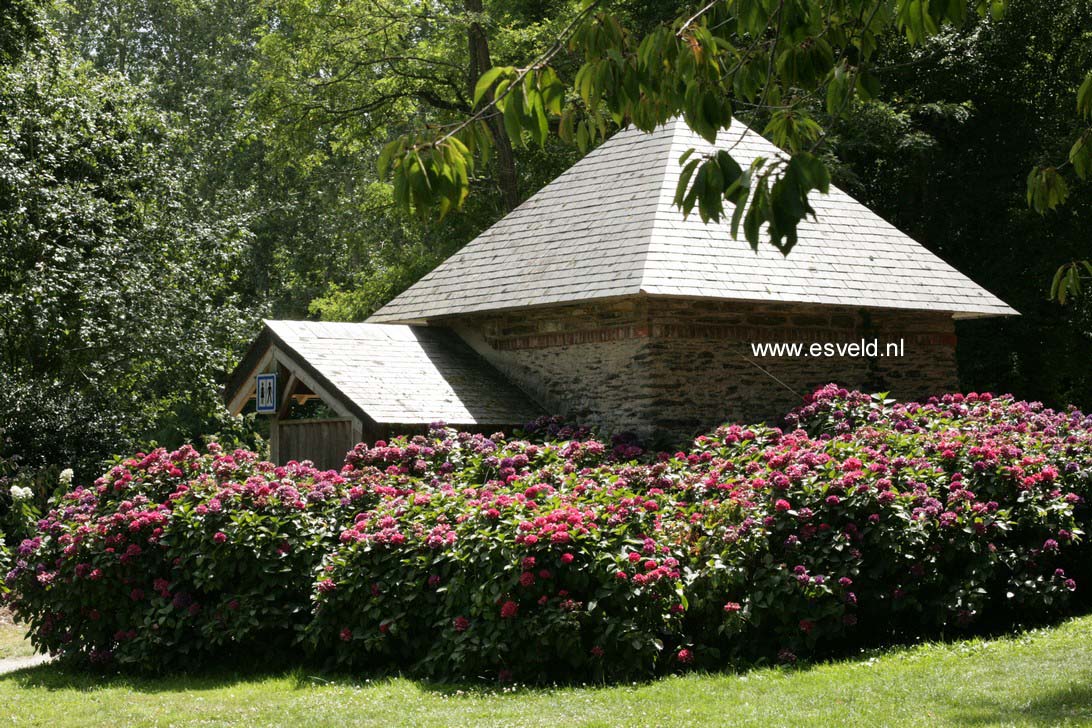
(443, 318)
(240, 375)
(302, 362)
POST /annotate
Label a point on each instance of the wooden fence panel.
(324, 442)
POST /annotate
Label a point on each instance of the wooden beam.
(327, 397)
(244, 395)
(274, 441)
(286, 395)
(293, 423)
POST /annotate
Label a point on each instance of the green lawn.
(1042, 678)
(12, 643)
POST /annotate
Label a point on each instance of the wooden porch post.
(274, 441)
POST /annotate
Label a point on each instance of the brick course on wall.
(666, 367)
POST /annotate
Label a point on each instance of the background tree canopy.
(118, 300)
(171, 171)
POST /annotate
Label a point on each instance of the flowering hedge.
(5, 565)
(171, 558)
(557, 555)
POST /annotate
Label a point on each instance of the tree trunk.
(504, 160)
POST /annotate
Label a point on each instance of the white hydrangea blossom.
(66, 476)
(21, 494)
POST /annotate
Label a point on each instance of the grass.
(1039, 678)
(12, 642)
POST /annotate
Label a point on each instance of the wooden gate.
(324, 442)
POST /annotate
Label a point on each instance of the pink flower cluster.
(469, 553)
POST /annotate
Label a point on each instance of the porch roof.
(386, 374)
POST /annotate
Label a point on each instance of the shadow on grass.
(1068, 703)
(230, 672)
(1067, 706)
(59, 676)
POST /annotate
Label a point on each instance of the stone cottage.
(599, 301)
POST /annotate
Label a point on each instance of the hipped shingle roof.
(607, 228)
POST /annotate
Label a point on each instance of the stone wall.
(589, 363)
(665, 367)
(706, 370)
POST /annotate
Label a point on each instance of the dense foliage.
(170, 172)
(557, 555)
(943, 156)
(117, 308)
(20, 25)
(23, 494)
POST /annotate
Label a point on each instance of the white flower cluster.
(21, 494)
(66, 476)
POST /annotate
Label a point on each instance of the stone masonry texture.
(668, 368)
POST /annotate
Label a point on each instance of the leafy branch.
(776, 58)
(1047, 189)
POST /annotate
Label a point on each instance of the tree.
(944, 154)
(351, 72)
(770, 57)
(334, 82)
(117, 308)
(20, 26)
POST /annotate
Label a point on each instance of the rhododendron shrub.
(880, 533)
(171, 558)
(554, 555)
(550, 559)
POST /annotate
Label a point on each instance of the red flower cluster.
(869, 520)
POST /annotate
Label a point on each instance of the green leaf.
(814, 174)
(487, 79)
(1084, 98)
(513, 116)
(553, 91)
(710, 201)
(582, 137)
(837, 90)
(915, 19)
(1058, 285)
(992, 8)
(729, 169)
(752, 221)
(584, 82)
(565, 127)
(1046, 189)
(389, 150)
(684, 180)
(1080, 156)
(695, 193)
(1074, 281)
(737, 214)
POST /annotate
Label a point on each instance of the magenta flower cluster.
(555, 554)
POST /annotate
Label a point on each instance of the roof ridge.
(607, 227)
(683, 136)
(662, 189)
